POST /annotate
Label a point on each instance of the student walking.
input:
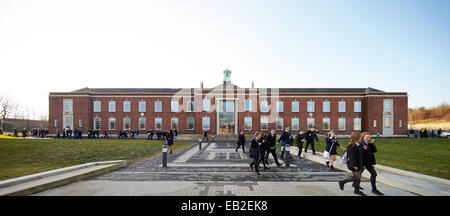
(354, 163)
(169, 139)
(263, 151)
(254, 151)
(284, 139)
(331, 147)
(241, 141)
(271, 144)
(310, 136)
(205, 135)
(300, 139)
(369, 149)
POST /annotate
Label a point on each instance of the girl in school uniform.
(354, 163)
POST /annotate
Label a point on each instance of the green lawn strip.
(19, 157)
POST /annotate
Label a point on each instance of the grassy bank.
(19, 157)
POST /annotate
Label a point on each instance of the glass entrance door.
(226, 117)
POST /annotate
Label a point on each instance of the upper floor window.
(357, 106)
(97, 106)
(158, 106)
(264, 106)
(310, 106)
(326, 106)
(126, 106)
(142, 106)
(190, 106)
(248, 105)
(388, 106)
(295, 106)
(341, 106)
(280, 106)
(206, 105)
(112, 106)
(174, 106)
(68, 105)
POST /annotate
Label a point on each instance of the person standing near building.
(354, 163)
(169, 138)
(310, 136)
(300, 139)
(241, 141)
(263, 151)
(331, 147)
(24, 132)
(254, 151)
(205, 135)
(272, 149)
(369, 149)
(284, 139)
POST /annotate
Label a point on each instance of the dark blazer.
(285, 137)
(271, 141)
(241, 139)
(330, 143)
(368, 154)
(254, 146)
(264, 144)
(299, 138)
(355, 157)
(311, 135)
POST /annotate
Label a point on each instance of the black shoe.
(278, 165)
(360, 188)
(251, 166)
(331, 167)
(314, 153)
(359, 193)
(341, 185)
(328, 163)
(236, 150)
(299, 157)
(375, 191)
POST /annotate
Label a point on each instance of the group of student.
(360, 152)
(161, 135)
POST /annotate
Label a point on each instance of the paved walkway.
(215, 170)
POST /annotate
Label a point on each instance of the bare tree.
(7, 108)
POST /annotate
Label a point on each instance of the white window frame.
(174, 120)
(264, 106)
(206, 105)
(374, 123)
(206, 123)
(264, 123)
(158, 120)
(80, 123)
(127, 106)
(68, 121)
(357, 124)
(99, 121)
(174, 106)
(190, 106)
(326, 121)
(67, 105)
(279, 126)
(357, 106)
(125, 121)
(295, 106)
(340, 124)
(326, 106)
(310, 106)
(391, 105)
(55, 123)
(193, 123)
(97, 106)
(246, 121)
(400, 123)
(308, 121)
(158, 106)
(142, 122)
(280, 106)
(142, 106)
(112, 120)
(247, 105)
(111, 106)
(295, 123)
(341, 106)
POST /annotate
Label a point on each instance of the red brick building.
(228, 109)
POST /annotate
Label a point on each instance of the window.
(142, 125)
(326, 124)
(205, 123)
(80, 123)
(341, 124)
(264, 123)
(112, 106)
(158, 106)
(374, 123)
(387, 122)
(357, 106)
(279, 124)
(126, 123)
(158, 123)
(400, 125)
(126, 106)
(112, 123)
(295, 106)
(280, 106)
(190, 106)
(326, 106)
(388, 106)
(247, 123)
(97, 123)
(264, 106)
(97, 106)
(206, 105)
(142, 106)
(341, 106)
(295, 124)
(174, 106)
(248, 105)
(190, 123)
(68, 121)
(55, 123)
(310, 123)
(174, 123)
(68, 105)
(357, 124)
(310, 106)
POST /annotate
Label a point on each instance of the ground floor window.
(190, 123)
(206, 123)
(97, 123)
(68, 121)
(112, 123)
(279, 124)
(158, 123)
(357, 124)
(247, 123)
(341, 124)
(142, 124)
(126, 123)
(174, 123)
(295, 124)
(264, 123)
(310, 123)
(326, 124)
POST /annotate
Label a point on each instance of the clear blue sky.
(395, 45)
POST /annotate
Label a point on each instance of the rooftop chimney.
(253, 84)
(201, 84)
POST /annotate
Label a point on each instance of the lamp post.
(288, 155)
(199, 144)
(164, 155)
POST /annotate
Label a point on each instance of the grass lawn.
(427, 156)
(19, 157)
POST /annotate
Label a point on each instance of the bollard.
(213, 138)
(199, 144)
(164, 154)
(288, 154)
